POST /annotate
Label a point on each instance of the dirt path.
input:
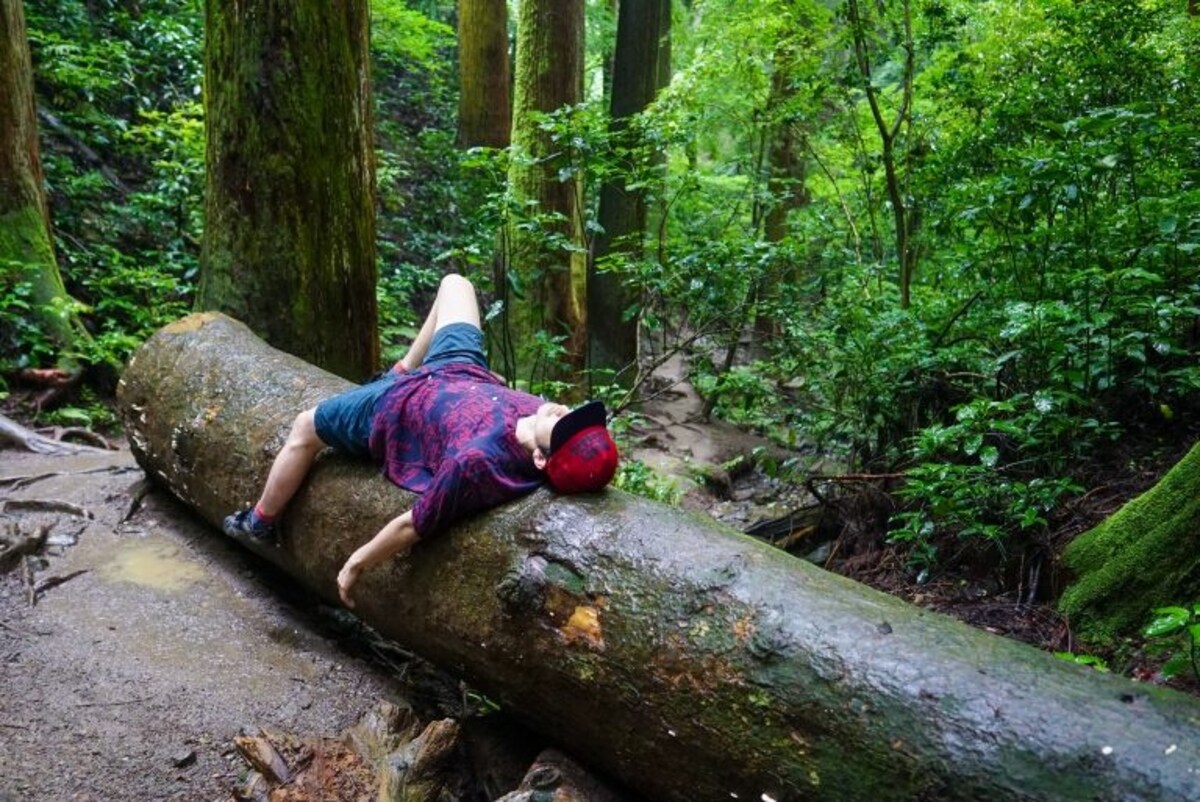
(130, 679)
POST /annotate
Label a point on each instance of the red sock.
(262, 516)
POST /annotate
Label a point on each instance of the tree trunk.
(685, 659)
(289, 241)
(26, 248)
(636, 72)
(1144, 556)
(484, 108)
(904, 214)
(542, 274)
(786, 182)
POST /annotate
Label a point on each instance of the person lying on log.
(441, 424)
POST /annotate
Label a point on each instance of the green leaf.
(73, 415)
(989, 456)
(1170, 620)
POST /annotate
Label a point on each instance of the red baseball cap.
(583, 456)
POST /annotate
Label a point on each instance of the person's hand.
(346, 579)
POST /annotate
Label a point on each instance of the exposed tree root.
(55, 384)
(47, 505)
(15, 544)
(13, 432)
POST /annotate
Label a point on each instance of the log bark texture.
(689, 661)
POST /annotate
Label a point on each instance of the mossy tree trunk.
(1146, 555)
(786, 180)
(26, 249)
(687, 660)
(541, 272)
(637, 68)
(289, 243)
(484, 104)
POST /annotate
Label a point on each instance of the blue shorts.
(344, 422)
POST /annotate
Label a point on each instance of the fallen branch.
(810, 484)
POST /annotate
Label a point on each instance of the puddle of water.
(156, 565)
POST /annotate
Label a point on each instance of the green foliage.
(88, 412)
(1057, 218)
(23, 341)
(1049, 160)
(420, 186)
(1179, 630)
(407, 38)
(1090, 660)
(636, 477)
(122, 151)
(743, 395)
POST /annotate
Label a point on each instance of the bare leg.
(291, 465)
(455, 303)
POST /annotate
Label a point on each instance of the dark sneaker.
(248, 525)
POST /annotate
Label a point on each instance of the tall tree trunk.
(484, 107)
(289, 244)
(786, 183)
(26, 248)
(664, 43)
(689, 661)
(904, 218)
(1146, 555)
(636, 76)
(542, 283)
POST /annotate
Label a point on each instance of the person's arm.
(399, 535)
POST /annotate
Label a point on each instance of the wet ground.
(130, 660)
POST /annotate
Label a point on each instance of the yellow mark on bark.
(192, 322)
(743, 630)
(584, 625)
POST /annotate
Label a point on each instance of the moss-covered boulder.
(1144, 556)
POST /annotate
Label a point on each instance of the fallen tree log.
(689, 661)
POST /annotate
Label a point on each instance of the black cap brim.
(582, 417)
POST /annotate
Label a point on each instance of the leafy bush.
(636, 477)
(1178, 628)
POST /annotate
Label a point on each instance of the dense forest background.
(951, 243)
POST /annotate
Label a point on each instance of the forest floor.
(844, 528)
(143, 658)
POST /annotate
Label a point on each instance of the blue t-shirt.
(449, 433)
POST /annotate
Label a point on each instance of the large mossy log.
(689, 661)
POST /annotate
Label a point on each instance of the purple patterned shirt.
(449, 433)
